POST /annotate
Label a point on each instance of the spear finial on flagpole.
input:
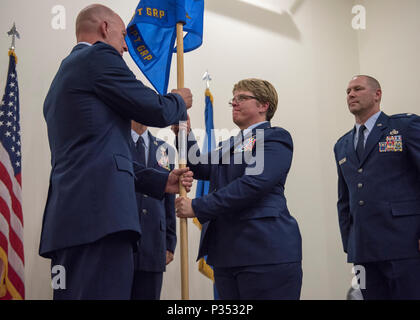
(207, 78)
(13, 33)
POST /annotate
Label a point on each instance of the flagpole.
(182, 164)
(14, 34)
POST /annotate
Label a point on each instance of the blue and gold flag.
(151, 35)
(203, 186)
(209, 142)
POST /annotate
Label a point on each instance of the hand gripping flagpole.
(182, 143)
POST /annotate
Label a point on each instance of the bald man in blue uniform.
(378, 165)
(90, 225)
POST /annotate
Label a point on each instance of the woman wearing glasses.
(249, 237)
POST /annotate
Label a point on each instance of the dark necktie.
(360, 148)
(141, 151)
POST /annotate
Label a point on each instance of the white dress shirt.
(249, 129)
(370, 123)
(146, 140)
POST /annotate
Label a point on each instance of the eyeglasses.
(241, 98)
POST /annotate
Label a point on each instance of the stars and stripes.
(11, 217)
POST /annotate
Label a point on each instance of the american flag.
(11, 219)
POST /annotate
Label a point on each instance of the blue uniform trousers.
(392, 280)
(261, 282)
(102, 270)
(147, 285)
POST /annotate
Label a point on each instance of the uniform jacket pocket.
(123, 164)
(261, 212)
(406, 208)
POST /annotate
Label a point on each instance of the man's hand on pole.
(177, 175)
(186, 95)
(183, 208)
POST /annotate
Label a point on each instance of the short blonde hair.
(263, 90)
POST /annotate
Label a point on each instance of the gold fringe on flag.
(12, 53)
(203, 267)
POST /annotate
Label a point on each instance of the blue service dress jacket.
(245, 217)
(88, 111)
(379, 196)
(157, 216)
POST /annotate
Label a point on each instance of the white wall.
(307, 49)
(389, 50)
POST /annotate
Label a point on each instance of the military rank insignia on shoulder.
(402, 115)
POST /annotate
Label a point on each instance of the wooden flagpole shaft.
(182, 164)
(180, 54)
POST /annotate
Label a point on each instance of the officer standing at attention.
(378, 165)
(157, 218)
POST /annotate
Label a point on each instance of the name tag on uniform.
(342, 161)
(392, 144)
